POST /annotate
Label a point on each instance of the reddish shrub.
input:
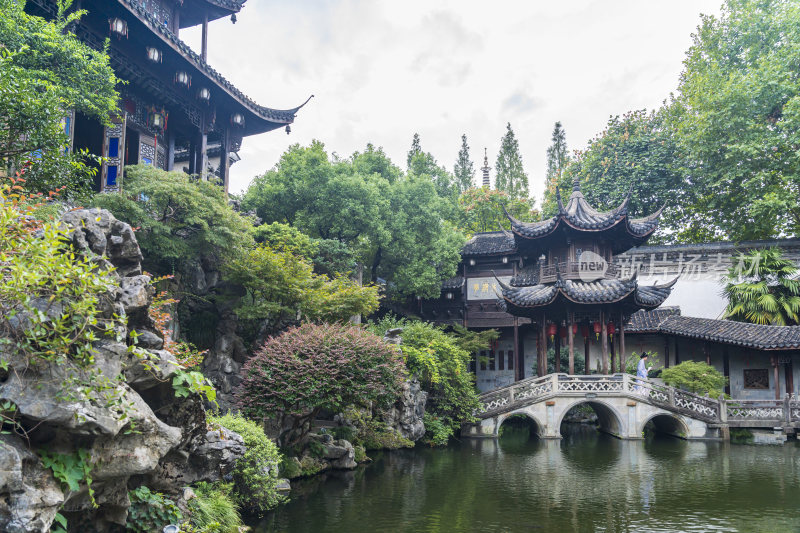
(318, 366)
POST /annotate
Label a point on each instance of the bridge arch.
(609, 420)
(668, 424)
(538, 426)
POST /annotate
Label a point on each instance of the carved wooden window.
(756, 378)
(511, 359)
(491, 359)
(501, 360)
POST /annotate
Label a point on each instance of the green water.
(586, 482)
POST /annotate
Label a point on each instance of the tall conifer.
(511, 177)
(464, 169)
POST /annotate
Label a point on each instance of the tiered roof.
(266, 118)
(579, 217)
(523, 301)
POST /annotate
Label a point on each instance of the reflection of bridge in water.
(624, 405)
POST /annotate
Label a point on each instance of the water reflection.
(585, 482)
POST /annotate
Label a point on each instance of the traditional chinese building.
(174, 106)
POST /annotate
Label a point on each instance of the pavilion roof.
(756, 336)
(277, 117)
(578, 216)
(521, 300)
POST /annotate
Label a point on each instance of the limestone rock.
(30, 496)
(405, 416)
(136, 294)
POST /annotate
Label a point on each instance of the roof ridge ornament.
(561, 209)
(623, 207)
(576, 184)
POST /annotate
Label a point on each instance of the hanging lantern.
(611, 329)
(154, 54)
(449, 295)
(237, 119)
(505, 260)
(288, 129)
(575, 329)
(157, 119)
(204, 94)
(562, 332)
(584, 331)
(118, 27)
(552, 329)
(183, 78)
(598, 328)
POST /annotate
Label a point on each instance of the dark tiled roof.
(273, 115)
(738, 333)
(595, 292)
(669, 320)
(490, 243)
(649, 321)
(580, 215)
(233, 5)
(453, 283)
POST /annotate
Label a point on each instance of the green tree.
(763, 288)
(179, 218)
(464, 170)
(397, 230)
(696, 377)
(282, 283)
(482, 210)
(511, 177)
(416, 149)
(557, 159)
(44, 72)
(737, 118)
(637, 153)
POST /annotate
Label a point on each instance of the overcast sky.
(382, 70)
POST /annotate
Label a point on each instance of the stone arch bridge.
(624, 405)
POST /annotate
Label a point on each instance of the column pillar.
(557, 349)
(613, 355)
(224, 164)
(622, 353)
(204, 43)
(666, 352)
(516, 357)
(571, 336)
(776, 376)
(541, 344)
(707, 353)
(586, 368)
(726, 371)
(604, 341)
(193, 157)
(171, 151)
(201, 159)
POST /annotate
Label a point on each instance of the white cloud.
(382, 70)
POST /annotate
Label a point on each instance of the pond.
(586, 482)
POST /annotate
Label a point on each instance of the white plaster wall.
(696, 297)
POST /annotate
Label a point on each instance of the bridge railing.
(532, 390)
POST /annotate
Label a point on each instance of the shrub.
(255, 475)
(437, 433)
(179, 217)
(697, 377)
(55, 305)
(314, 367)
(361, 454)
(150, 511)
(214, 510)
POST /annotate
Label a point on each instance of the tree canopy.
(398, 227)
(464, 169)
(45, 71)
(511, 177)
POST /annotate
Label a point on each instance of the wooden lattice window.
(501, 359)
(756, 378)
(491, 360)
(511, 359)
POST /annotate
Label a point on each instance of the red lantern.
(552, 330)
(562, 332)
(597, 329)
(585, 331)
(610, 328)
(574, 329)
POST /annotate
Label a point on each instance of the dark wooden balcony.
(572, 270)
